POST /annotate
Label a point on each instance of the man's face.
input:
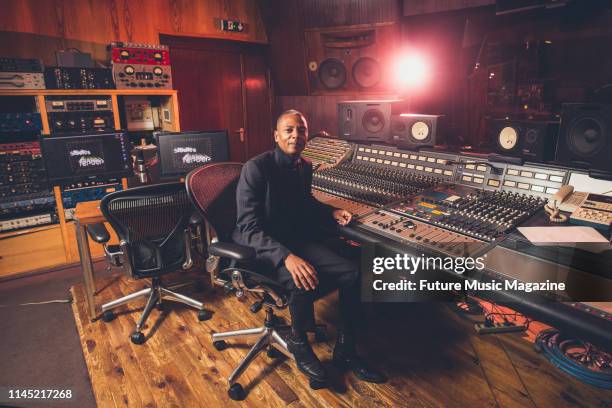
(291, 134)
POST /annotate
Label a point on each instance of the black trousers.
(334, 271)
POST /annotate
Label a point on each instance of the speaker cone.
(373, 121)
(531, 136)
(586, 136)
(366, 72)
(332, 73)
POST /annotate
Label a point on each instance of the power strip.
(481, 328)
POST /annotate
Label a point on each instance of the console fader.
(421, 234)
(369, 183)
(326, 152)
(355, 208)
(481, 214)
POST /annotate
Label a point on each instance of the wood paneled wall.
(326, 13)
(286, 21)
(418, 7)
(84, 22)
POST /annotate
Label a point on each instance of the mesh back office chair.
(153, 226)
(212, 189)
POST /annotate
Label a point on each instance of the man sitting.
(277, 216)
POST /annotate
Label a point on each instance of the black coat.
(276, 207)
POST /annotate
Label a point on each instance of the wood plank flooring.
(432, 356)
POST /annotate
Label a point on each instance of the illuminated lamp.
(411, 71)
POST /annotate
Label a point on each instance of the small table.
(87, 213)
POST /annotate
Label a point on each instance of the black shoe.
(346, 358)
(306, 360)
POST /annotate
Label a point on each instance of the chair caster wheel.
(317, 385)
(320, 335)
(204, 315)
(137, 337)
(220, 345)
(256, 307)
(108, 316)
(273, 353)
(236, 392)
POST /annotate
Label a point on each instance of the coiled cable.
(557, 349)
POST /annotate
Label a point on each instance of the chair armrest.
(98, 233)
(232, 251)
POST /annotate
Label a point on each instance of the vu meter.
(508, 138)
(419, 130)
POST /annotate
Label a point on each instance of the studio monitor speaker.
(352, 58)
(411, 130)
(530, 140)
(365, 121)
(585, 138)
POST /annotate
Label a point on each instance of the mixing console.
(446, 206)
(479, 213)
(325, 152)
(355, 208)
(403, 229)
(369, 183)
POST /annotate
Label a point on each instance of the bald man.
(278, 216)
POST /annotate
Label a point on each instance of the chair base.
(156, 294)
(268, 338)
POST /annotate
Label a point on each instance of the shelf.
(118, 92)
(36, 248)
(25, 231)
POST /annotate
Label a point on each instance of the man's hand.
(342, 217)
(303, 273)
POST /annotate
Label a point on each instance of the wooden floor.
(432, 356)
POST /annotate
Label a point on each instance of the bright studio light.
(411, 70)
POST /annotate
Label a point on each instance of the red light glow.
(411, 71)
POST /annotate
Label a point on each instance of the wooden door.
(224, 85)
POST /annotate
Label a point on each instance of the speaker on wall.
(585, 138)
(530, 140)
(349, 58)
(366, 121)
(411, 130)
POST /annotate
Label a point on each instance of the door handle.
(241, 132)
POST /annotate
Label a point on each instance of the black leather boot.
(305, 359)
(346, 358)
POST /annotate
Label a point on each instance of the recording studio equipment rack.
(79, 113)
(78, 78)
(48, 232)
(25, 197)
(19, 73)
(141, 65)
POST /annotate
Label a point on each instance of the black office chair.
(212, 189)
(154, 227)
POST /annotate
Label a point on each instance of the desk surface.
(88, 212)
